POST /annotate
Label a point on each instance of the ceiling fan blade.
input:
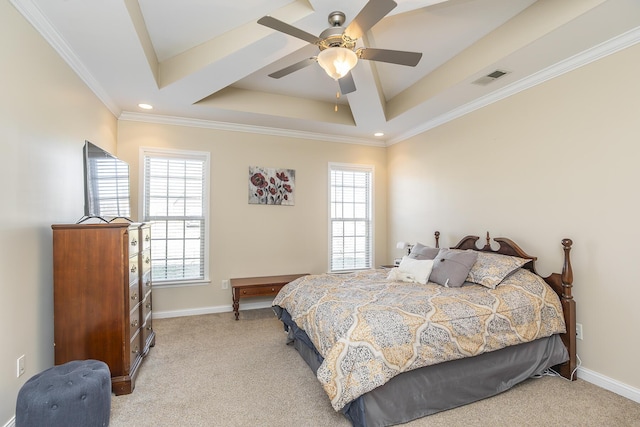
(347, 85)
(295, 67)
(283, 27)
(369, 16)
(392, 56)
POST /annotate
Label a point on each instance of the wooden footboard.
(561, 283)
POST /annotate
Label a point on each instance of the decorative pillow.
(451, 267)
(420, 251)
(396, 276)
(412, 270)
(491, 269)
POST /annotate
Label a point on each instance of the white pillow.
(415, 270)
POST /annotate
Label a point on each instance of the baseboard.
(11, 422)
(609, 384)
(209, 310)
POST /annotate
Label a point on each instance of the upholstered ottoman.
(74, 394)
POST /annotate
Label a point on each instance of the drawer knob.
(147, 238)
(135, 350)
(148, 305)
(147, 261)
(273, 289)
(134, 268)
(134, 324)
(134, 242)
(134, 296)
(147, 283)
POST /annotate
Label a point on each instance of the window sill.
(355, 270)
(181, 284)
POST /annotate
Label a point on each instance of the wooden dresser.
(102, 297)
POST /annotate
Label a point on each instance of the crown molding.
(34, 16)
(600, 51)
(235, 127)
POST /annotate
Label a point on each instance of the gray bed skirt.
(436, 388)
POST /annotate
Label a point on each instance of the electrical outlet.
(579, 331)
(225, 284)
(20, 366)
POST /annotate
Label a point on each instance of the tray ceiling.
(206, 62)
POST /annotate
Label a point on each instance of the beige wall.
(256, 240)
(558, 160)
(46, 113)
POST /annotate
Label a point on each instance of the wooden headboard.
(561, 283)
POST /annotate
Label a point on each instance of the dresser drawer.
(146, 330)
(134, 321)
(136, 350)
(134, 241)
(255, 291)
(146, 283)
(133, 269)
(145, 259)
(134, 295)
(146, 306)
(146, 238)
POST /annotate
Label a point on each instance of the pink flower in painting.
(271, 187)
(258, 180)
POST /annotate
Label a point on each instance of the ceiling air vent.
(491, 77)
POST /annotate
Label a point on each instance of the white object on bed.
(412, 270)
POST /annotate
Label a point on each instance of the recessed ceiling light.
(146, 106)
(378, 134)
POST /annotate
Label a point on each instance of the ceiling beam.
(367, 102)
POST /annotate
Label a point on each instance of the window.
(175, 202)
(350, 212)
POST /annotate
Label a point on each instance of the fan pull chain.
(337, 97)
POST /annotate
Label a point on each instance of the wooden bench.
(258, 286)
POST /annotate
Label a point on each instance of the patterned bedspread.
(370, 329)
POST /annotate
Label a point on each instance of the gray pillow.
(450, 267)
(420, 251)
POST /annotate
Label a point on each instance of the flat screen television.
(106, 185)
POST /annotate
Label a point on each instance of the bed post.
(569, 308)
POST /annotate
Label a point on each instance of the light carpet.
(211, 370)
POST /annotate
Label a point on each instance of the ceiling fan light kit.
(337, 61)
(337, 45)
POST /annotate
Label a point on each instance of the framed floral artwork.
(269, 186)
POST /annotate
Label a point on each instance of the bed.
(390, 346)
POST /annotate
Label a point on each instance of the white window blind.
(175, 188)
(350, 216)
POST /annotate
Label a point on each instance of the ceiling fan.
(338, 54)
